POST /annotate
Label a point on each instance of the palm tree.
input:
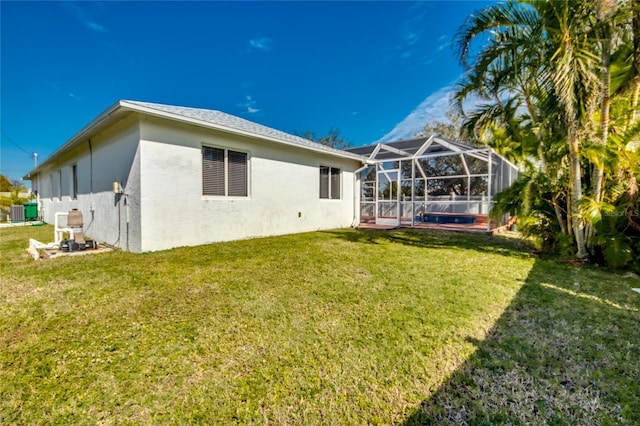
(632, 81)
(543, 52)
(606, 9)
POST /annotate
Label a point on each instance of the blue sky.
(360, 67)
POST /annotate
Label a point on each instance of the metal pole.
(489, 195)
(413, 192)
(398, 193)
(377, 182)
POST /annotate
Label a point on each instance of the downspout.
(91, 206)
(90, 168)
(126, 206)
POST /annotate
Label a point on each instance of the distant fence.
(20, 194)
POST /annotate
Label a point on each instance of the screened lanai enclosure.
(431, 181)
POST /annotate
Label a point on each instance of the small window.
(329, 183)
(56, 185)
(59, 184)
(74, 181)
(224, 172)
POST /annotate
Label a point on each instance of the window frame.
(74, 181)
(226, 173)
(331, 172)
(60, 184)
(56, 185)
(52, 185)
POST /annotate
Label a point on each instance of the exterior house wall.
(283, 187)
(113, 157)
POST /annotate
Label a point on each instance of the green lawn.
(340, 327)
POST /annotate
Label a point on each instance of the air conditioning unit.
(17, 213)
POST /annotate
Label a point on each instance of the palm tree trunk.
(605, 106)
(632, 192)
(575, 179)
(635, 97)
(555, 200)
(569, 218)
(635, 24)
(559, 217)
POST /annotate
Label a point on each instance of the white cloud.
(444, 42)
(64, 91)
(411, 38)
(433, 108)
(262, 43)
(82, 16)
(95, 26)
(410, 32)
(249, 106)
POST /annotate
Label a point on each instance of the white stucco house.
(149, 177)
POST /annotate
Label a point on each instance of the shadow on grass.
(566, 351)
(422, 238)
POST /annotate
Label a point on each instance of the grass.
(340, 327)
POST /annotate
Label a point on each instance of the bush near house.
(336, 327)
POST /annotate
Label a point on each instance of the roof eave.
(103, 118)
(240, 132)
(84, 133)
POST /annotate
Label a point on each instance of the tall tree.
(539, 55)
(5, 184)
(605, 11)
(449, 128)
(632, 78)
(332, 138)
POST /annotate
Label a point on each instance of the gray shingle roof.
(203, 117)
(411, 146)
(223, 120)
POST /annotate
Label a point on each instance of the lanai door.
(387, 212)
